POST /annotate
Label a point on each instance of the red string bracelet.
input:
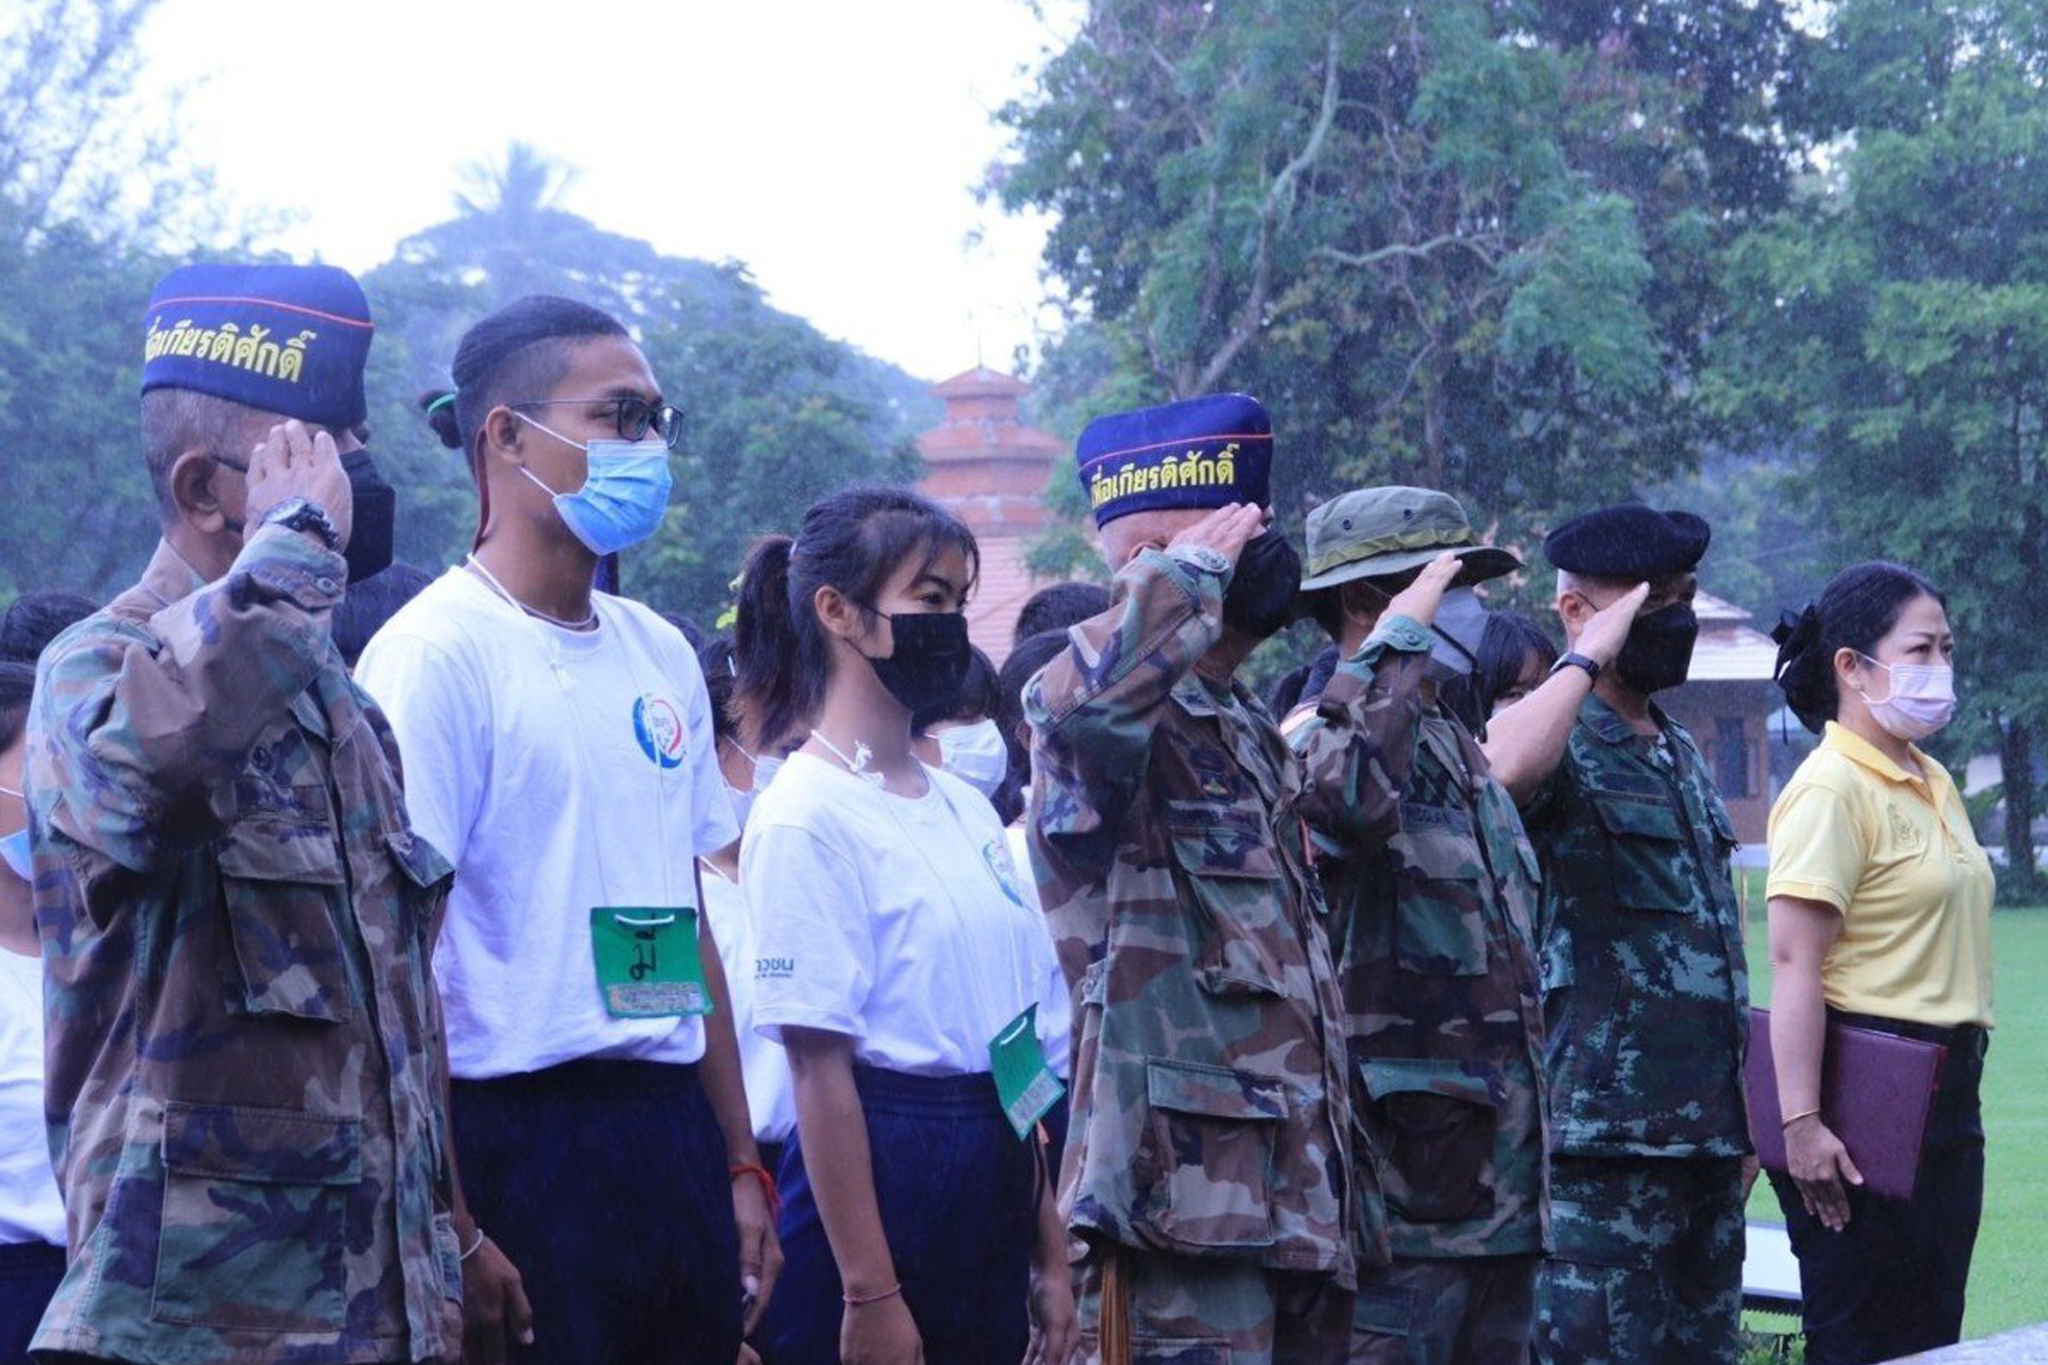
(768, 1190)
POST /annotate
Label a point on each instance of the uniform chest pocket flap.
(1440, 893)
(1208, 1149)
(1434, 1125)
(1237, 895)
(427, 877)
(283, 886)
(255, 1218)
(1650, 864)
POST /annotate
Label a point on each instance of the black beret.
(1631, 541)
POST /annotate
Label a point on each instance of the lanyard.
(585, 751)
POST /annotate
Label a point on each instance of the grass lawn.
(2009, 1277)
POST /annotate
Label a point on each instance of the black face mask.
(1658, 651)
(374, 517)
(1260, 598)
(929, 663)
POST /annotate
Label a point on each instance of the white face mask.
(743, 798)
(1921, 701)
(976, 755)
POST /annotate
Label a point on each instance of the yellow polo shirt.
(1896, 855)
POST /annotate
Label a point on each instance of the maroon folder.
(1876, 1092)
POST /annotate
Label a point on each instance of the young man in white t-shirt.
(558, 748)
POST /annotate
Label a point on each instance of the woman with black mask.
(897, 962)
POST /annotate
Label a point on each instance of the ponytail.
(770, 691)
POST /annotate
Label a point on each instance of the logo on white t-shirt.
(658, 725)
(996, 853)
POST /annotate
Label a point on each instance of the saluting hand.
(1227, 530)
(292, 462)
(1419, 600)
(1607, 629)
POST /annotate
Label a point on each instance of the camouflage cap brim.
(1481, 562)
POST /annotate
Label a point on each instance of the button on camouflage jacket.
(245, 1059)
(1432, 890)
(1210, 1105)
(1646, 990)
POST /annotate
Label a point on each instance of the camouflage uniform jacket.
(1432, 889)
(1645, 987)
(1210, 1105)
(245, 1071)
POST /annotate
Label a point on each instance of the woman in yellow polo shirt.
(1880, 907)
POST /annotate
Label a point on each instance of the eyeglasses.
(633, 417)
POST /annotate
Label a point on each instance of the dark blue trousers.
(956, 1190)
(607, 1184)
(1891, 1283)
(29, 1272)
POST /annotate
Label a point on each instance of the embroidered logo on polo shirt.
(1904, 834)
(658, 725)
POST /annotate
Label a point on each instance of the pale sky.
(832, 145)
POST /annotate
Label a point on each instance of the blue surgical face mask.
(14, 847)
(1460, 622)
(624, 494)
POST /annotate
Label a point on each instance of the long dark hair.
(1856, 610)
(17, 686)
(852, 541)
(1511, 639)
(1023, 664)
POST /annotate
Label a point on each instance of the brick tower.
(991, 470)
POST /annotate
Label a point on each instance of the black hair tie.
(1795, 636)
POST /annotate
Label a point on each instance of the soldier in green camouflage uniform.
(1206, 1176)
(245, 1074)
(1645, 990)
(1432, 888)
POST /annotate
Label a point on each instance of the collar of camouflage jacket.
(1609, 724)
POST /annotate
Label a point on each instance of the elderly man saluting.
(245, 1073)
(1645, 989)
(1208, 1166)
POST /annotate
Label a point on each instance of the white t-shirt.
(1055, 1000)
(771, 1096)
(559, 771)
(897, 921)
(30, 1208)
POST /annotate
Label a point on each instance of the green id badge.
(1025, 1086)
(648, 966)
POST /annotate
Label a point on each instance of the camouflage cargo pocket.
(1433, 1124)
(1209, 1142)
(1234, 883)
(281, 885)
(1649, 862)
(1440, 914)
(255, 1218)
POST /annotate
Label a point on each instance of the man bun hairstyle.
(1856, 610)
(515, 354)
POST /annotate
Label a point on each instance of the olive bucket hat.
(1378, 532)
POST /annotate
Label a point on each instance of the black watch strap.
(1577, 660)
(297, 514)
